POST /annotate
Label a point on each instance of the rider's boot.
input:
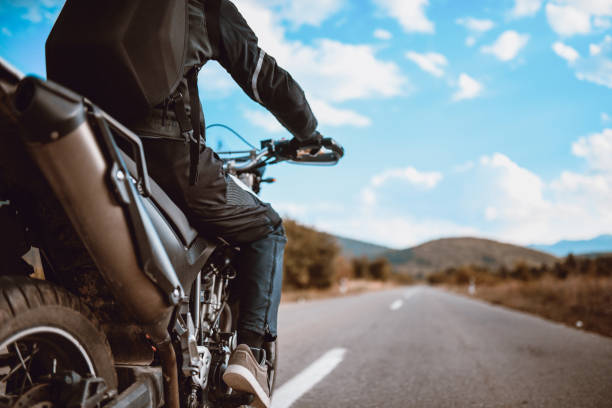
(247, 371)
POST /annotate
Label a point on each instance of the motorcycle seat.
(171, 211)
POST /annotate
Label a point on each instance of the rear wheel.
(45, 330)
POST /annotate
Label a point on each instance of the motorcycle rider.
(215, 202)
(172, 132)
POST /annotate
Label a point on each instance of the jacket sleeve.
(258, 74)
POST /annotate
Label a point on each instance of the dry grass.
(578, 301)
(352, 287)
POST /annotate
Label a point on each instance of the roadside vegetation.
(576, 291)
(315, 267)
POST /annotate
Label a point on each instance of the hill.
(600, 244)
(440, 254)
(352, 248)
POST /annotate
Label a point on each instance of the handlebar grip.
(332, 145)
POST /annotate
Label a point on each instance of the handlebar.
(275, 151)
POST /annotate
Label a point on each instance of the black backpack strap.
(198, 128)
(179, 98)
(192, 130)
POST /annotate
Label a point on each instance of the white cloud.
(368, 196)
(299, 210)
(264, 120)
(312, 12)
(215, 81)
(341, 72)
(596, 149)
(7, 32)
(476, 27)
(431, 62)
(525, 8)
(474, 24)
(36, 10)
(332, 116)
(395, 231)
(519, 206)
(410, 175)
(326, 114)
(572, 17)
(382, 34)
(594, 49)
(507, 46)
(469, 88)
(566, 52)
(605, 117)
(519, 191)
(598, 67)
(568, 20)
(570, 182)
(598, 72)
(329, 71)
(426, 180)
(410, 14)
(461, 168)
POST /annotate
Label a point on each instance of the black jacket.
(218, 31)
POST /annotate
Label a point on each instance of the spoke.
(23, 364)
(15, 369)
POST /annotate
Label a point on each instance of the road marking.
(293, 389)
(396, 305)
(411, 292)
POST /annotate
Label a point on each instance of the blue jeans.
(259, 283)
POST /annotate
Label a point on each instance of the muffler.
(63, 143)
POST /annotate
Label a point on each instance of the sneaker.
(247, 373)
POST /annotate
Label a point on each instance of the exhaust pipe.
(64, 146)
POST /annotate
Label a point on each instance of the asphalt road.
(420, 347)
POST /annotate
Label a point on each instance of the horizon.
(488, 120)
(535, 246)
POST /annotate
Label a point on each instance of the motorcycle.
(172, 323)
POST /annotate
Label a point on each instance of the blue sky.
(488, 118)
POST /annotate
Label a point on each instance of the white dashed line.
(411, 292)
(293, 389)
(396, 305)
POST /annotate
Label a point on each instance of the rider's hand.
(316, 141)
(289, 148)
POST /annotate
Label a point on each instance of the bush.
(570, 266)
(380, 269)
(361, 268)
(309, 257)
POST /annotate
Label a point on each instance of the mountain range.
(600, 244)
(352, 248)
(440, 254)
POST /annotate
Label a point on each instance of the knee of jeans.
(278, 230)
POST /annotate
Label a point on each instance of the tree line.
(600, 266)
(314, 259)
